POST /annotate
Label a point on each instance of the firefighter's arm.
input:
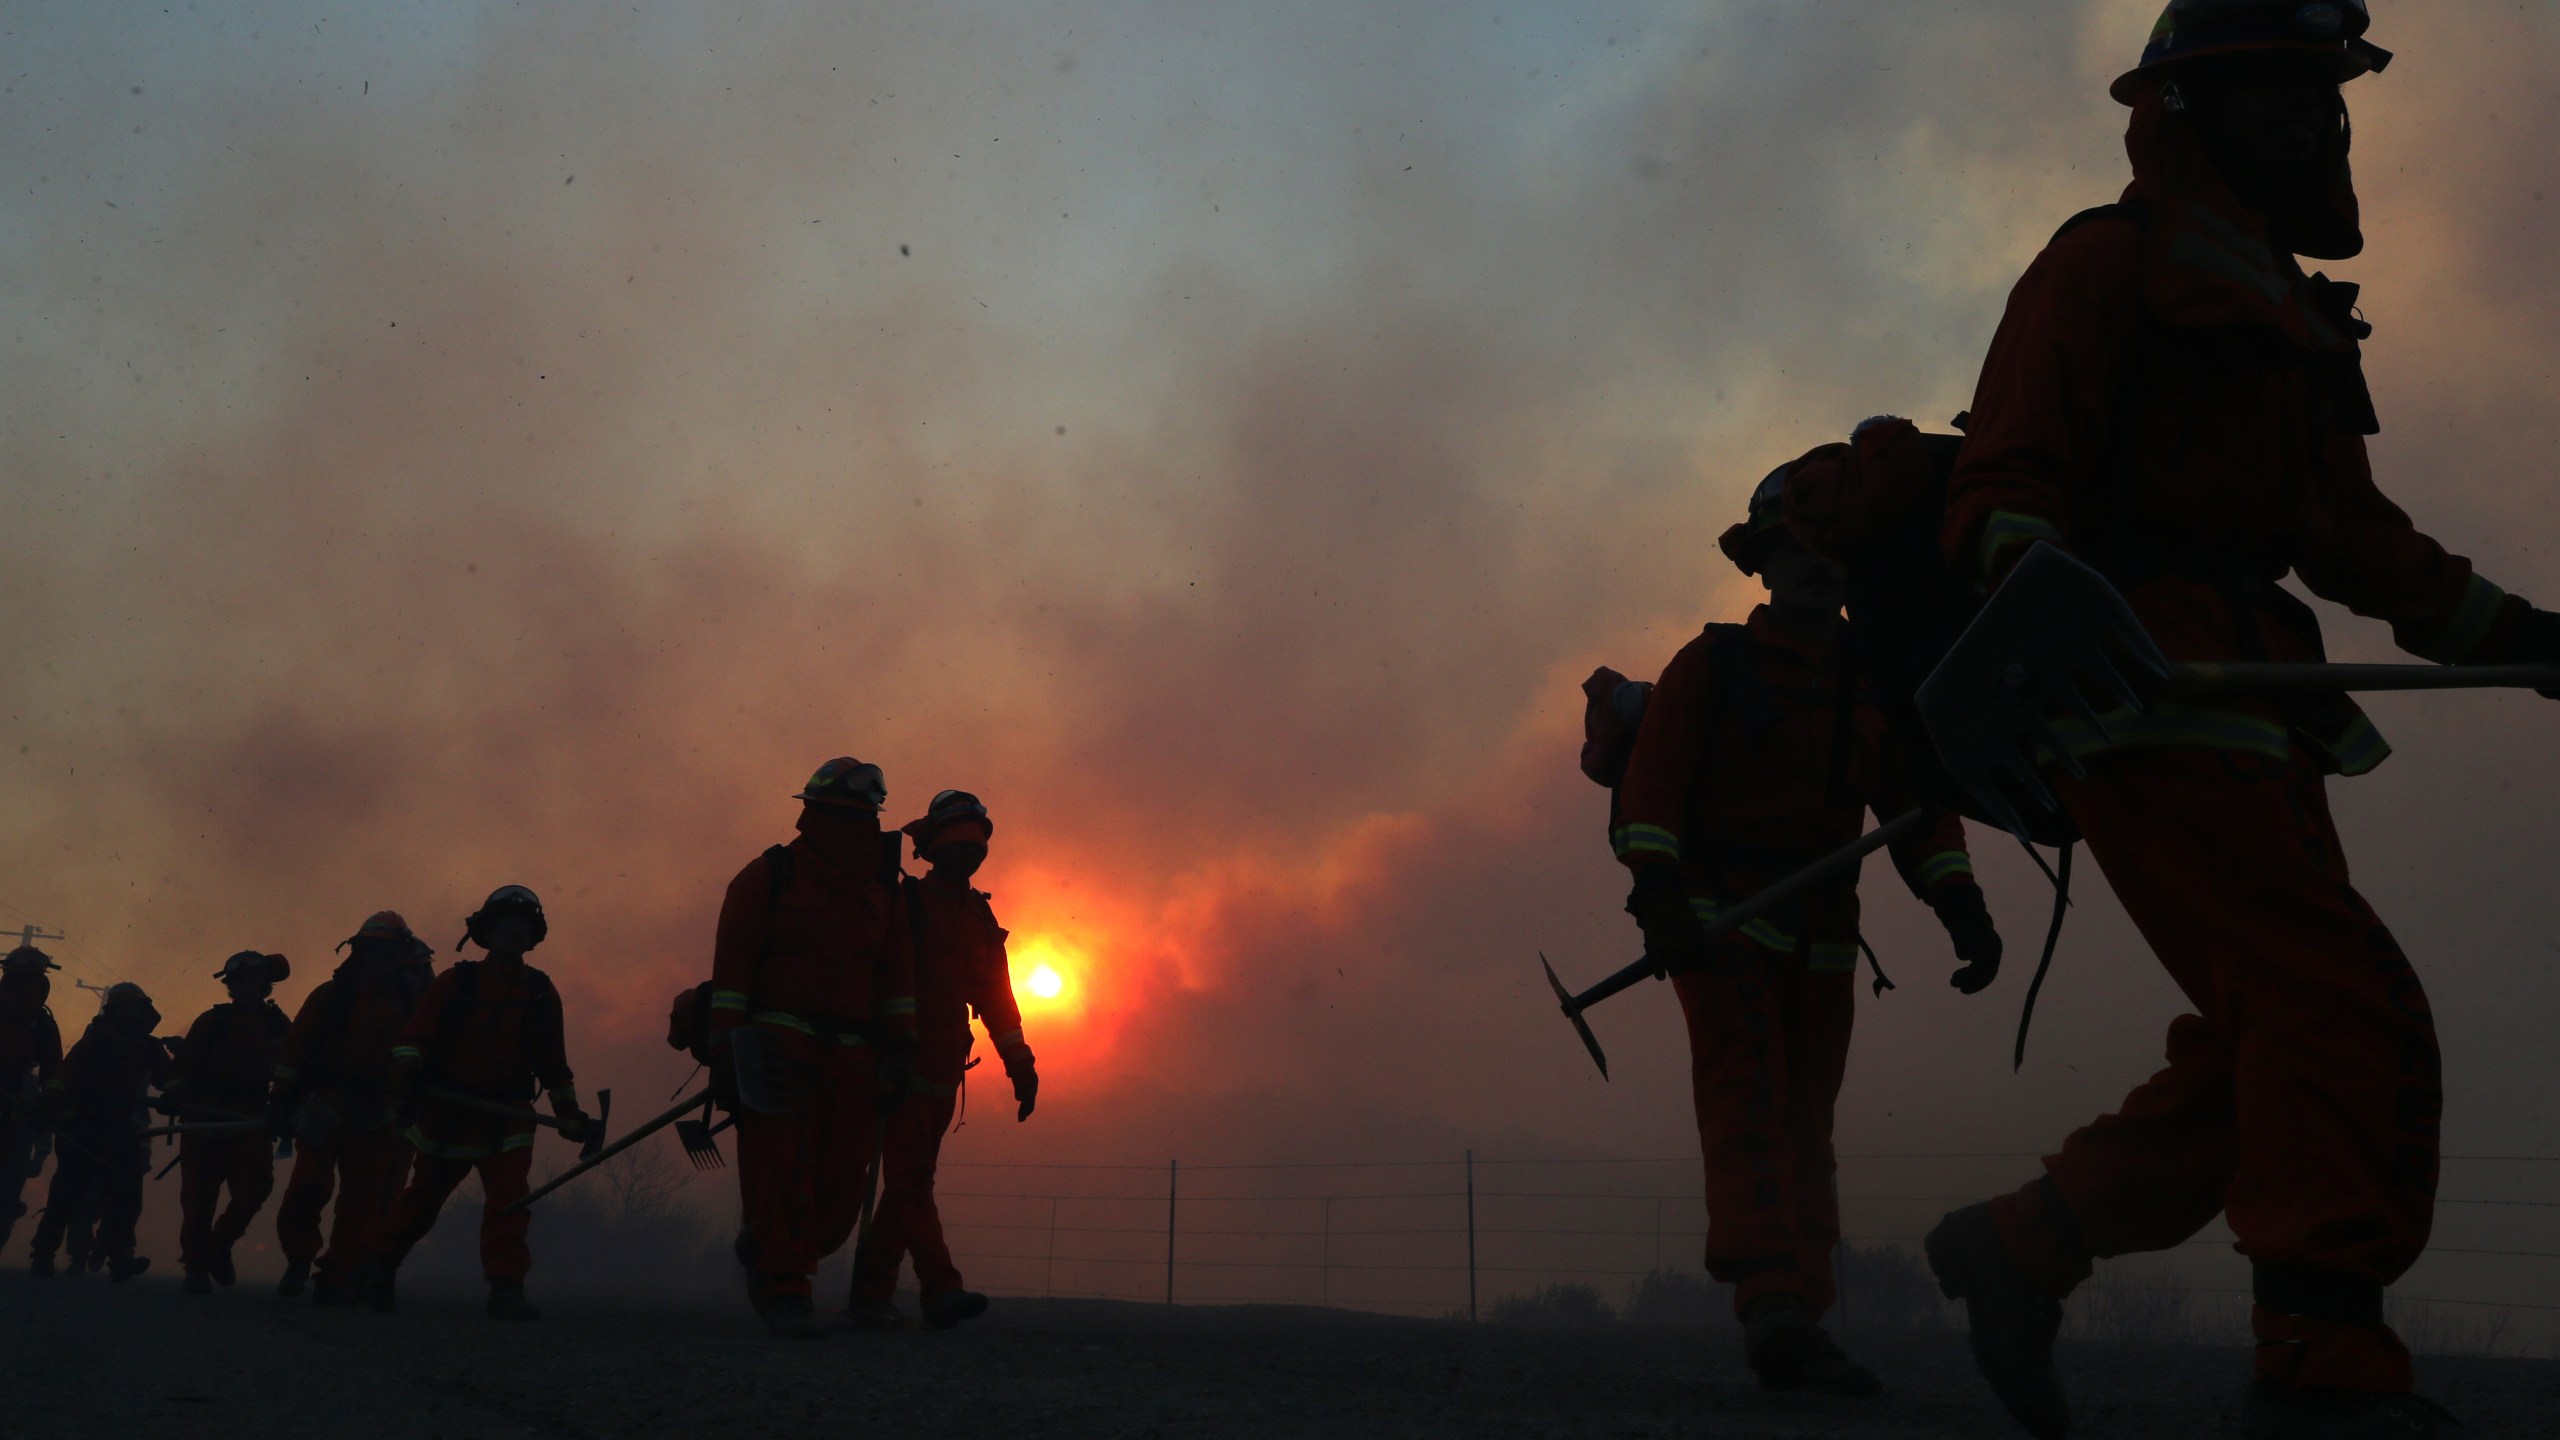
(49, 1062)
(292, 1054)
(2363, 552)
(893, 973)
(737, 946)
(551, 1067)
(1652, 802)
(1939, 870)
(2041, 410)
(992, 997)
(417, 1037)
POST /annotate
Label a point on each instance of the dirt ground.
(84, 1359)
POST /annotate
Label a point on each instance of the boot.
(2278, 1414)
(219, 1267)
(507, 1302)
(377, 1283)
(2013, 1323)
(199, 1283)
(791, 1317)
(40, 1265)
(874, 1315)
(1788, 1351)
(297, 1273)
(125, 1267)
(944, 1309)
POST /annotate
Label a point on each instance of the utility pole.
(1172, 1198)
(1471, 1237)
(30, 934)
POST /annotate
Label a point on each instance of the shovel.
(1775, 897)
(2057, 639)
(595, 1127)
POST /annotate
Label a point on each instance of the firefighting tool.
(696, 1136)
(588, 1146)
(2056, 630)
(651, 1127)
(1777, 896)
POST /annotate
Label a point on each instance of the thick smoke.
(518, 447)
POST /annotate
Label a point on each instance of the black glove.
(575, 1126)
(2532, 640)
(1961, 909)
(1018, 1068)
(1673, 939)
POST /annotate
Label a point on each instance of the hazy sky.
(452, 445)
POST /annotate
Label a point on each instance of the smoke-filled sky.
(457, 445)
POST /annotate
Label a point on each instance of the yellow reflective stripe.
(1946, 865)
(54, 1084)
(442, 1151)
(1006, 1039)
(2007, 529)
(1632, 840)
(785, 1020)
(2359, 750)
(1759, 932)
(2472, 619)
(728, 1000)
(932, 1091)
(2174, 723)
(406, 1052)
(521, 1140)
(284, 1072)
(899, 1005)
(1832, 956)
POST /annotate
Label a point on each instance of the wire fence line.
(1459, 1237)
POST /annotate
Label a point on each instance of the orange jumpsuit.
(961, 966)
(2172, 399)
(1742, 774)
(492, 1029)
(30, 1075)
(335, 1061)
(100, 1157)
(222, 1071)
(819, 962)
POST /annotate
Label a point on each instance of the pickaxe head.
(595, 1132)
(1573, 1012)
(695, 1136)
(2054, 635)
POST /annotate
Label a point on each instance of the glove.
(2534, 639)
(576, 1125)
(168, 1104)
(1673, 940)
(1019, 1069)
(1961, 909)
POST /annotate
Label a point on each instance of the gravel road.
(84, 1359)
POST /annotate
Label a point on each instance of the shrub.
(1556, 1305)
(1676, 1297)
(1888, 1287)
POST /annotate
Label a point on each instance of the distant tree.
(1554, 1305)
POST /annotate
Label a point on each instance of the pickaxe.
(1768, 901)
(598, 1157)
(2055, 633)
(593, 1143)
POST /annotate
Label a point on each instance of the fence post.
(1471, 1237)
(1324, 1282)
(1172, 1198)
(1049, 1262)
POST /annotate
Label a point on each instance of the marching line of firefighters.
(835, 1026)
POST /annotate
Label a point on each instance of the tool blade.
(1573, 1012)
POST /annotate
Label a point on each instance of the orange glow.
(1049, 976)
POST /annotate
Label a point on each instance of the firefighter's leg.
(306, 1198)
(2304, 1098)
(412, 1213)
(201, 1162)
(932, 1119)
(846, 1142)
(119, 1200)
(1820, 1003)
(14, 1158)
(876, 1261)
(372, 1168)
(504, 1179)
(1738, 1075)
(251, 1176)
(778, 1180)
(73, 1177)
